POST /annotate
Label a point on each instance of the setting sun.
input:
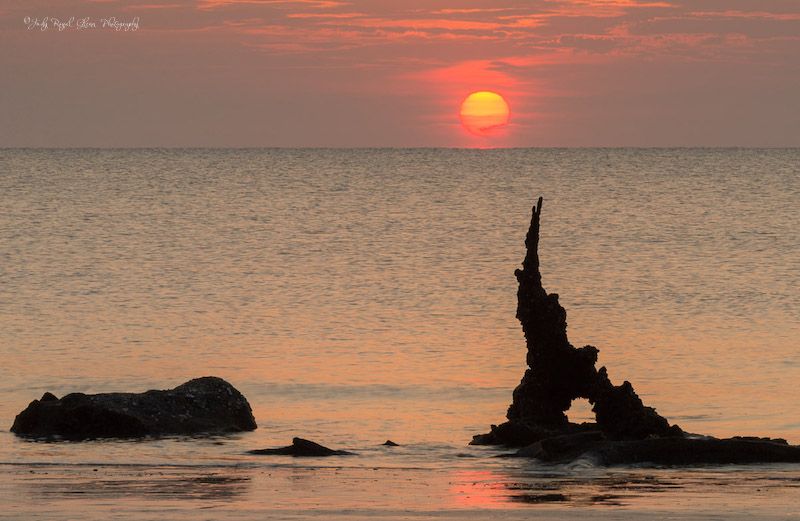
(484, 112)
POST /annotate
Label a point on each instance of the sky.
(368, 73)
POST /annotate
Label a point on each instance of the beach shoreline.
(306, 492)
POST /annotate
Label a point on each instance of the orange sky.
(379, 73)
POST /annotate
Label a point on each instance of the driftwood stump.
(559, 373)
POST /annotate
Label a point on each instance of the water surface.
(360, 295)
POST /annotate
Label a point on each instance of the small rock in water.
(301, 448)
(390, 443)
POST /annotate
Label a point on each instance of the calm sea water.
(360, 295)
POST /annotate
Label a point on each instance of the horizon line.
(268, 147)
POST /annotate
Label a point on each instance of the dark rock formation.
(676, 450)
(301, 448)
(390, 443)
(626, 431)
(564, 447)
(207, 405)
(518, 434)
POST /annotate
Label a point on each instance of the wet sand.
(320, 489)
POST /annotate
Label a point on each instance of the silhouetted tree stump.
(626, 431)
(559, 373)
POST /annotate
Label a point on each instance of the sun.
(484, 112)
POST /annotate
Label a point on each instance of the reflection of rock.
(202, 405)
(558, 373)
(301, 447)
(115, 482)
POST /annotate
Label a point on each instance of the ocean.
(355, 296)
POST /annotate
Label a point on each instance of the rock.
(207, 405)
(693, 451)
(562, 448)
(302, 448)
(517, 434)
(660, 451)
(48, 397)
(626, 431)
(390, 443)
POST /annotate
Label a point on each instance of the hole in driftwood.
(580, 411)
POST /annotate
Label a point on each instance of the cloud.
(314, 4)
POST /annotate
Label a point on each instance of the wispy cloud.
(314, 4)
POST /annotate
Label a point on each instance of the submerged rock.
(207, 405)
(302, 448)
(518, 434)
(563, 447)
(595, 447)
(626, 431)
